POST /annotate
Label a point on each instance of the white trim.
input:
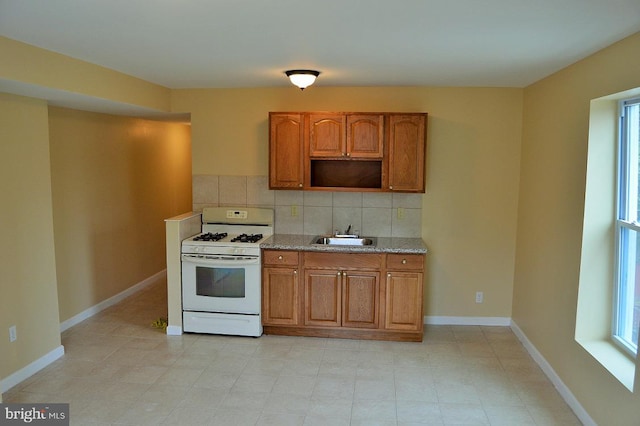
(488, 321)
(88, 313)
(564, 391)
(31, 369)
(174, 330)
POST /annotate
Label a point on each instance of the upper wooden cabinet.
(365, 135)
(286, 168)
(345, 135)
(326, 135)
(406, 152)
(344, 151)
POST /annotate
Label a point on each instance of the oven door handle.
(220, 260)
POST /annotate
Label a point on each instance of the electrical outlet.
(479, 297)
(294, 211)
(13, 335)
(400, 213)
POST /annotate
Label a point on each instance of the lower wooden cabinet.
(342, 295)
(404, 292)
(337, 298)
(322, 298)
(360, 299)
(403, 297)
(280, 301)
(280, 288)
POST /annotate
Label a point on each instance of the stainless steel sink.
(344, 241)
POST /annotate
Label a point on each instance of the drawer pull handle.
(279, 257)
(404, 261)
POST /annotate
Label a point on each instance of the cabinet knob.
(389, 274)
(390, 186)
(404, 261)
(299, 185)
(339, 273)
(348, 154)
(280, 257)
(295, 272)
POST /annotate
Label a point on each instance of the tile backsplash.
(315, 212)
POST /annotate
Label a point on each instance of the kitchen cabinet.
(341, 289)
(326, 135)
(341, 298)
(406, 152)
(280, 288)
(377, 152)
(344, 295)
(286, 169)
(365, 135)
(338, 135)
(403, 292)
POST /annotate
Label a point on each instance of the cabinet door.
(327, 135)
(360, 299)
(322, 298)
(365, 135)
(403, 295)
(406, 152)
(285, 151)
(280, 296)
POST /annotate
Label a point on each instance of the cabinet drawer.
(280, 257)
(405, 262)
(342, 260)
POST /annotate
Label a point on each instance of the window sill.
(612, 358)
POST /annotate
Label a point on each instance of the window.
(626, 311)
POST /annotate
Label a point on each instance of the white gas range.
(221, 279)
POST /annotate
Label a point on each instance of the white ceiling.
(250, 43)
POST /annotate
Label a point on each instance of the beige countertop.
(383, 245)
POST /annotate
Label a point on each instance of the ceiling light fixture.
(302, 78)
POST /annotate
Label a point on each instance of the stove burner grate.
(247, 238)
(209, 236)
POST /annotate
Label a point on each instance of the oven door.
(224, 284)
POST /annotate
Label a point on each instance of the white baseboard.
(174, 330)
(488, 321)
(564, 391)
(76, 319)
(31, 369)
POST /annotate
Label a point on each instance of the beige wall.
(28, 293)
(473, 155)
(114, 181)
(554, 152)
(39, 68)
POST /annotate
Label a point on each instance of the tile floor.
(118, 370)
